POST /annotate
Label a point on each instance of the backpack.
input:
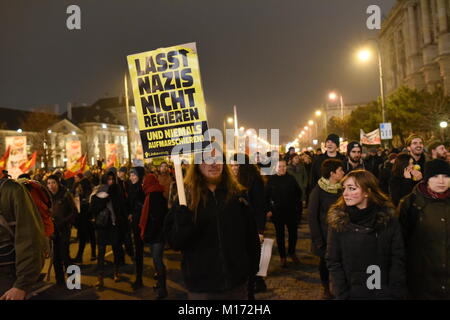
(103, 219)
(43, 201)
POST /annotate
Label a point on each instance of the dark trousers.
(323, 270)
(61, 243)
(86, 233)
(157, 252)
(292, 231)
(104, 237)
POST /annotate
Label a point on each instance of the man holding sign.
(214, 227)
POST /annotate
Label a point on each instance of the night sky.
(275, 59)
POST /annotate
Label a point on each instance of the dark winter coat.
(426, 227)
(135, 201)
(156, 216)
(372, 164)
(316, 165)
(99, 201)
(221, 248)
(348, 166)
(64, 210)
(257, 200)
(353, 248)
(319, 203)
(399, 187)
(284, 196)
(385, 175)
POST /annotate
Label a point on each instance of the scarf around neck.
(423, 188)
(329, 187)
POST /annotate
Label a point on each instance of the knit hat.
(353, 144)
(434, 144)
(436, 167)
(112, 170)
(334, 138)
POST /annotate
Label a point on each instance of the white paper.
(266, 254)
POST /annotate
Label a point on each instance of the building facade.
(415, 45)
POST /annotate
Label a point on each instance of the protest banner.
(170, 105)
(169, 101)
(17, 155)
(73, 152)
(111, 155)
(371, 138)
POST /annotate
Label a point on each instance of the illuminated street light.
(443, 124)
(104, 126)
(310, 122)
(230, 120)
(49, 131)
(332, 96)
(19, 130)
(315, 142)
(364, 55)
(74, 133)
(306, 128)
(318, 113)
(302, 133)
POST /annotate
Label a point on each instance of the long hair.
(369, 184)
(197, 189)
(401, 162)
(248, 173)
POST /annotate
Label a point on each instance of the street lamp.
(333, 96)
(318, 113)
(364, 55)
(443, 124)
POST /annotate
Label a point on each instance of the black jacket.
(317, 163)
(285, 198)
(319, 203)
(426, 228)
(257, 200)
(221, 249)
(372, 164)
(399, 187)
(353, 248)
(385, 175)
(64, 210)
(135, 202)
(158, 211)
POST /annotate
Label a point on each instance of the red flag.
(112, 161)
(4, 159)
(26, 166)
(78, 167)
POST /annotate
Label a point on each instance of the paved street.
(292, 283)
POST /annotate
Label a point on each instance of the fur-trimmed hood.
(339, 219)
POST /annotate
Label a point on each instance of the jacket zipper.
(220, 241)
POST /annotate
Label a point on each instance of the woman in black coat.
(323, 196)
(404, 178)
(151, 224)
(285, 198)
(108, 211)
(365, 252)
(86, 231)
(135, 202)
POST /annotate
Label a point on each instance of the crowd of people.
(386, 210)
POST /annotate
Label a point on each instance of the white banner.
(17, 155)
(73, 152)
(371, 138)
(266, 254)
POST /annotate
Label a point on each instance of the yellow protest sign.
(169, 99)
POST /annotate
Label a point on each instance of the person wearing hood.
(108, 213)
(323, 196)
(354, 160)
(365, 252)
(64, 215)
(425, 219)
(332, 145)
